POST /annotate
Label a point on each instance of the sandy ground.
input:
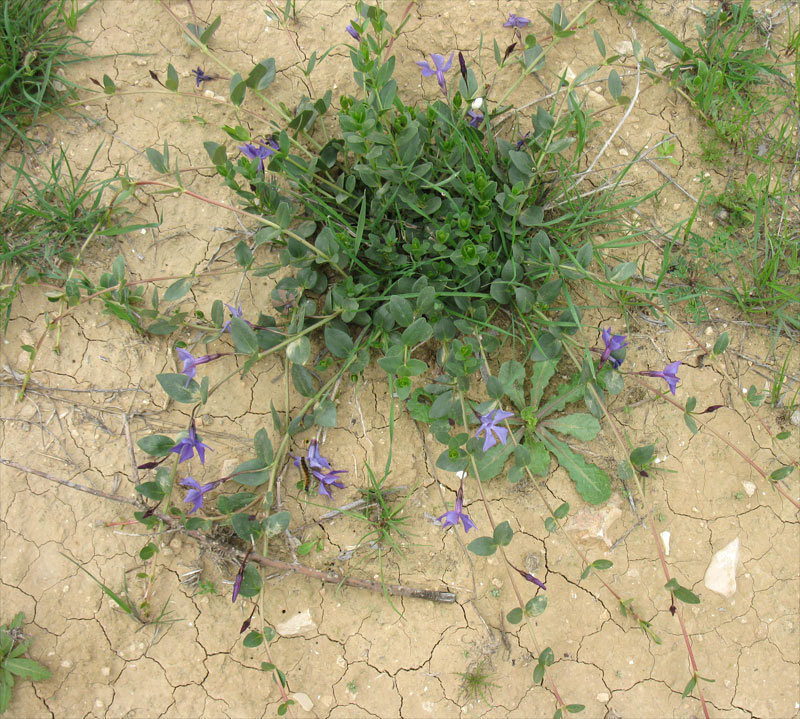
(346, 652)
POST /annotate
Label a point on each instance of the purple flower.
(321, 468)
(352, 31)
(439, 69)
(475, 118)
(530, 578)
(613, 343)
(195, 494)
(234, 313)
(489, 425)
(186, 447)
(190, 362)
(669, 375)
(260, 151)
(452, 517)
(200, 76)
(521, 141)
(516, 21)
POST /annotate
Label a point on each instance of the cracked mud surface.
(346, 652)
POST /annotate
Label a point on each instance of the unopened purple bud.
(462, 65)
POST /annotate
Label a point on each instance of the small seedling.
(476, 680)
(13, 645)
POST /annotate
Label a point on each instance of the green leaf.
(263, 446)
(251, 582)
(601, 46)
(681, 593)
(575, 708)
(690, 423)
(175, 386)
(237, 89)
(540, 459)
(579, 425)
(303, 381)
(253, 640)
(536, 606)
(512, 377)
(483, 546)
(417, 332)
(642, 455)
(503, 534)
(251, 473)
(177, 289)
(602, 564)
(208, 33)
(623, 271)
(172, 78)
(689, 687)
(721, 344)
(299, 350)
(514, 616)
(157, 160)
(538, 674)
(156, 445)
(492, 462)
(26, 669)
(325, 413)
(230, 503)
(531, 217)
(262, 75)
(592, 483)
(151, 490)
(546, 658)
(781, 473)
(338, 342)
(401, 310)
(614, 84)
(246, 528)
(147, 551)
(109, 88)
(243, 254)
(561, 511)
(244, 339)
(550, 525)
(541, 373)
(277, 523)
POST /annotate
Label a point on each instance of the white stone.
(665, 538)
(795, 418)
(298, 624)
(749, 488)
(303, 700)
(721, 573)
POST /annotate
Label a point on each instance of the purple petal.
(426, 69)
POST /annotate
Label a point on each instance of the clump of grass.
(36, 42)
(722, 76)
(476, 681)
(45, 221)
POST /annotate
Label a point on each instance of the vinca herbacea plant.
(441, 248)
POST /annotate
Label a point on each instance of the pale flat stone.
(665, 538)
(721, 573)
(298, 624)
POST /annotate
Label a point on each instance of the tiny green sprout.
(351, 686)
(206, 586)
(476, 680)
(494, 592)
(739, 495)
